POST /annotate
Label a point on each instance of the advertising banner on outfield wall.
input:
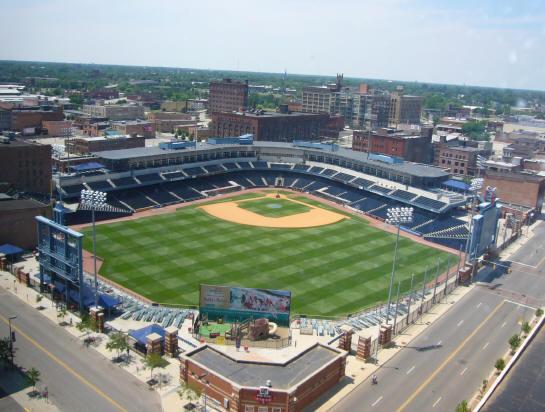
(234, 303)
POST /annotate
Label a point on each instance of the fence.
(264, 344)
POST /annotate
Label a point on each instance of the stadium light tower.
(94, 200)
(474, 187)
(397, 216)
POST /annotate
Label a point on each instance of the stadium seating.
(362, 182)
(343, 177)
(100, 185)
(427, 202)
(195, 171)
(173, 175)
(402, 194)
(381, 189)
(300, 167)
(244, 165)
(316, 170)
(212, 168)
(124, 181)
(159, 195)
(183, 191)
(280, 166)
(329, 172)
(134, 199)
(260, 165)
(73, 189)
(230, 166)
(150, 178)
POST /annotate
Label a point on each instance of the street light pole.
(94, 200)
(396, 216)
(11, 337)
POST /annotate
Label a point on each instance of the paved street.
(78, 378)
(448, 362)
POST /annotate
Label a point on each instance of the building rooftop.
(265, 114)
(132, 153)
(19, 204)
(252, 374)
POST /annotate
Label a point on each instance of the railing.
(266, 344)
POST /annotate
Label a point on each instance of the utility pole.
(423, 292)
(397, 304)
(435, 284)
(11, 338)
(410, 299)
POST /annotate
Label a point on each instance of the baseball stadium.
(307, 218)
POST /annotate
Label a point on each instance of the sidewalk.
(357, 371)
(168, 376)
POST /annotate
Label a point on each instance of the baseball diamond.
(332, 269)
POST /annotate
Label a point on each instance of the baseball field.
(334, 263)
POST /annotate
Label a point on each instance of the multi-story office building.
(460, 160)
(321, 99)
(26, 166)
(24, 118)
(87, 145)
(404, 109)
(135, 128)
(371, 110)
(115, 111)
(227, 95)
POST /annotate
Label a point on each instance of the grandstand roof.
(405, 167)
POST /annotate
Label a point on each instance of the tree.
(33, 377)
(62, 314)
(463, 407)
(86, 325)
(526, 328)
(188, 392)
(152, 361)
(539, 312)
(118, 342)
(476, 130)
(514, 343)
(484, 386)
(499, 365)
(5, 352)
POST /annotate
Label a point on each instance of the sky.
(498, 43)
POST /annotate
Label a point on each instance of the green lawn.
(271, 207)
(331, 270)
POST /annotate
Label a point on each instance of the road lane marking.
(436, 402)
(410, 370)
(520, 304)
(64, 365)
(459, 323)
(377, 401)
(485, 345)
(464, 371)
(479, 305)
(449, 358)
(520, 263)
(503, 324)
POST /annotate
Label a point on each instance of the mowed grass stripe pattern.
(331, 270)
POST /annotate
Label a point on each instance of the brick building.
(238, 385)
(135, 128)
(409, 146)
(519, 188)
(33, 117)
(114, 111)
(405, 109)
(18, 223)
(227, 95)
(26, 166)
(86, 145)
(166, 122)
(60, 128)
(460, 160)
(271, 126)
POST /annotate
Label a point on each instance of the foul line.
(447, 360)
(65, 366)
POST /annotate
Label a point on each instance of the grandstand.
(372, 195)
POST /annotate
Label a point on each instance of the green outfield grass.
(331, 270)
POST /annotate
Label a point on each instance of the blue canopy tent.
(139, 335)
(86, 167)
(456, 185)
(10, 251)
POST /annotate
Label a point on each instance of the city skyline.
(497, 44)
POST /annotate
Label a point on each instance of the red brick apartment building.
(227, 95)
(460, 160)
(26, 166)
(248, 386)
(26, 118)
(408, 146)
(271, 126)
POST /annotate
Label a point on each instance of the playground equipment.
(259, 329)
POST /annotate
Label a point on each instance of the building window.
(276, 409)
(249, 408)
(263, 409)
